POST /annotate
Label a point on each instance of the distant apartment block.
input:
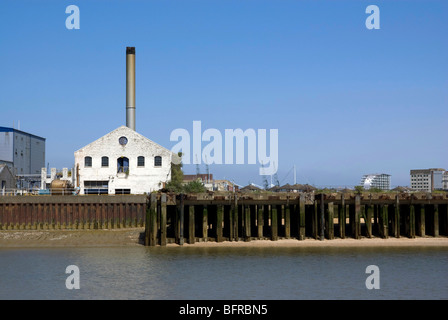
(429, 179)
(445, 181)
(376, 180)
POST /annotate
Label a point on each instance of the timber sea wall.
(72, 212)
(190, 218)
(246, 217)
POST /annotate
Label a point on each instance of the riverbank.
(134, 237)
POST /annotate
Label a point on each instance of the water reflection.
(224, 273)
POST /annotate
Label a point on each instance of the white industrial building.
(122, 162)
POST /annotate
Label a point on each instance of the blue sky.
(346, 100)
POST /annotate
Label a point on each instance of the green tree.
(177, 177)
(359, 189)
(194, 186)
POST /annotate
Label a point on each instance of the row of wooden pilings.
(241, 217)
(47, 212)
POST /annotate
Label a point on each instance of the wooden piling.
(357, 212)
(247, 233)
(181, 220)
(396, 218)
(205, 223)
(191, 227)
(260, 221)
(369, 216)
(153, 220)
(383, 221)
(420, 221)
(301, 209)
(435, 217)
(219, 222)
(287, 211)
(314, 221)
(411, 233)
(274, 223)
(234, 213)
(341, 217)
(444, 219)
(163, 213)
(322, 217)
(330, 220)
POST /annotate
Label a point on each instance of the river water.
(224, 273)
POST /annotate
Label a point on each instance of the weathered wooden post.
(444, 214)
(205, 223)
(383, 221)
(287, 211)
(314, 220)
(151, 222)
(356, 223)
(322, 218)
(330, 220)
(163, 219)
(191, 226)
(147, 229)
(247, 233)
(301, 212)
(274, 223)
(396, 217)
(234, 212)
(421, 229)
(435, 224)
(411, 233)
(219, 221)
(369, 215)
(181, 219)
(260, 221)
(341, 217)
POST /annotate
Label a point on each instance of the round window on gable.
(123, 141)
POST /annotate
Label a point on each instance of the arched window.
(157, 161)
(104, 162)
(87, 162)
(140, 161)
(123, 165)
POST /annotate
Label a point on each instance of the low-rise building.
(7, 180)
(445, 181)
(427, 179)
(122, 162)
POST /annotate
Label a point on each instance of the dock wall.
(72, 212)
(179, 218)
(245, 217)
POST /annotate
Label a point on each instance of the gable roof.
(125, 131)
